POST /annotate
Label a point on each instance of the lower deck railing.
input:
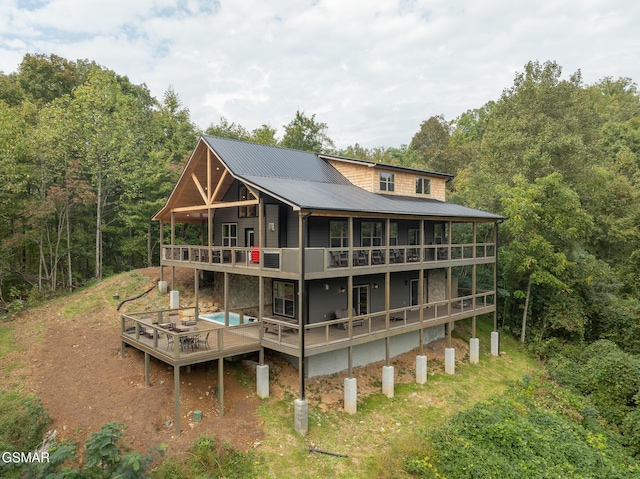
(176, 336)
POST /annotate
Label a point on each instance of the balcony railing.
(325, 259)
(285, 334)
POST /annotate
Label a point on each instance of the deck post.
(387, 381)
(450, 360)
(474, 350)
(147, 379)
(421, 369)
(495, 343)
(262, 380)
(221, 385)
(350, 395)
(176, 398)
(196, 287)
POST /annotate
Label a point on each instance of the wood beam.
(218, 189)
(221, 204)
(200, 189)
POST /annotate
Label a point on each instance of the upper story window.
(423, 186)
(246, 211)
(338, 234)
(371, 233)
(387, 181)
(230, 235)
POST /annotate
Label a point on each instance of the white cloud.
(373, 71)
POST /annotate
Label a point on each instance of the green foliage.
(206, 459)
(104, 459)
(23, 421)
(523, 434)
(306, 134)
(604, 373)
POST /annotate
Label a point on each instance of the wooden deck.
(179, 347)
(150, 332)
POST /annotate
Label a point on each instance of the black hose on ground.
(320, 451)
(135, 297)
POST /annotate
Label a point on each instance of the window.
(284, 299)
(230, 235)
(245, 211)
(414, 237)
(393, 234)
(371, 233)
(338, 234)
(423, 186)
(387, 181)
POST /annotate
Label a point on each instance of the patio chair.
(169, 341)
(204, 341)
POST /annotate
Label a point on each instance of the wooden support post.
(147, 379)
(387, 319)
(350, 361)
(226, 298)
(196, 286)
(221, 385)
(176, 398)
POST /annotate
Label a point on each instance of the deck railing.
(155, 330)
(332, 332)
(325, 259)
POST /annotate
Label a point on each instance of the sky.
(372, 70)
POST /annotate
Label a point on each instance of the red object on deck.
(255, 254)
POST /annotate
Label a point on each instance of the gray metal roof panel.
(338, 197)
(251, 159)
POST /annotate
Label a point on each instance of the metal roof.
(307, 181)
(332, 197)
(251, 159)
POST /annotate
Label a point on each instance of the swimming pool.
(234, 318)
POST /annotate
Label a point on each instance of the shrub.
(23, 421)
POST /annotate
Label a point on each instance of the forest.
(87, 157)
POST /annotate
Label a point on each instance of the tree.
(306, 134)
(545, 222)
(224, 129)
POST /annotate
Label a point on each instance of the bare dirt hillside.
(69, 356)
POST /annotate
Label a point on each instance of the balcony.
(325, 262)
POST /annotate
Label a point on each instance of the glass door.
(361, 300)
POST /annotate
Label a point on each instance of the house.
(367, 260)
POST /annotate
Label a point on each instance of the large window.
(284, 299)
(423, 186)
(230, 235)
(393, 234)
(414, 236)
(387, 181)
(338, 234)
(246, 211)
(371, 233)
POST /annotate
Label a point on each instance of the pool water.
(234, 318)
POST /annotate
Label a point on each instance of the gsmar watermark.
(24, 457)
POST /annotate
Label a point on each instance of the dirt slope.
(71, 360)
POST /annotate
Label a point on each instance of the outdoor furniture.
(377, 257)
(204, 341)
(169, 341)
(343, 314)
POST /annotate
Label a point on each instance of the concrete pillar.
(495, 343)
(174, 299)
(262, 380)
(387, 381)
(350, 395)
(449, 360)
(162, 286)
(421, 369)
(301, 416)
(474, 350)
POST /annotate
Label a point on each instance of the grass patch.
(384, 432)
